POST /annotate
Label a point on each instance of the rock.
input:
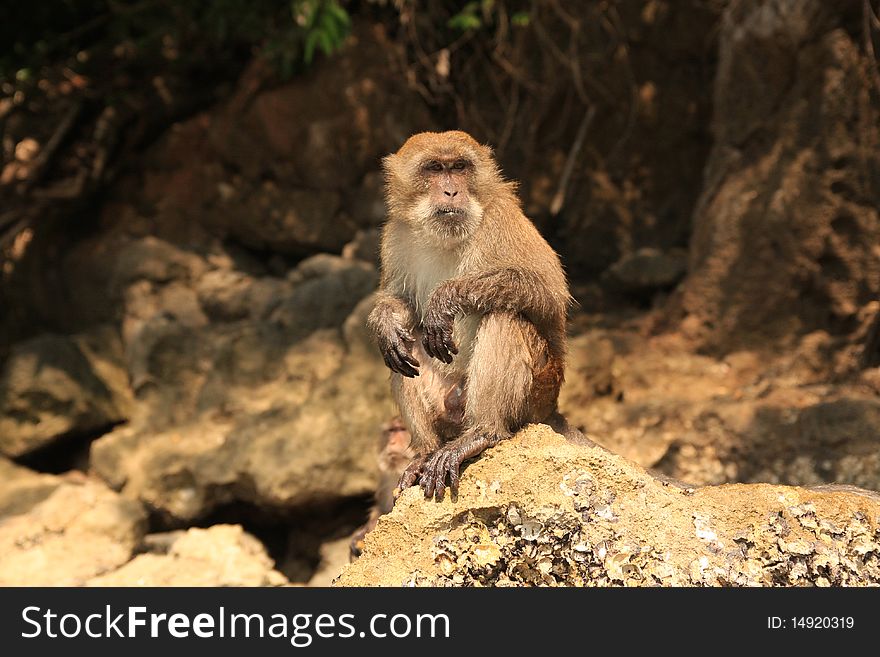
(786, 227)
(335, 555)
(79, 531)
(290, 168)
(326, 290)
(539, 510)
(704, 420)
(221, 555)
(640, 186)
(154, 260)
(649, 269)
(54, 385)
(292, 221)
(365, 246)
(228, 295)
(274, 422)
(21, 488)
(324, 131)
(367, 203)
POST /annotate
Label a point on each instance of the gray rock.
(54, 385)
(294, 221)
(649, 269)
(364, 246)
(327, 288)
(280, 423)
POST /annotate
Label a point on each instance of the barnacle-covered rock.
(538, 510)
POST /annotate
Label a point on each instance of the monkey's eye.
(459, 165)
(434, 167)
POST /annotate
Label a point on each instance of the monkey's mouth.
(448, 212)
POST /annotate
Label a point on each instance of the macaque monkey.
(471, 313)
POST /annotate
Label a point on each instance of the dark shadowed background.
(190, 199)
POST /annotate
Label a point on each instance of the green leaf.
(464, 22)
(325, 43)
(309, 49)
(520, 19)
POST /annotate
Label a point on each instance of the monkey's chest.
(427, 268)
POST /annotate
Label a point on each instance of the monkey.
(470, 315)
(394, 455)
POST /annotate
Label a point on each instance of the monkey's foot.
(447, 460)
(410, 475)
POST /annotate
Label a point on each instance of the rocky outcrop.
(54, 385)
(747, 417)
(270, 420)
(73, 531)
(221, 555)
(539, 510)
(291, 169)
(21, 488)
(786, 227)
(80, 530)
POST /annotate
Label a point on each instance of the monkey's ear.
(388, 164)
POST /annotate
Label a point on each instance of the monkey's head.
(438, 181)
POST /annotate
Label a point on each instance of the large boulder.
(21, 489)
(221, 555)
(80, 530)
(540, 510)
(274, 421)
(55, 385)
(786, 227)
(290, 168)
(745, 417)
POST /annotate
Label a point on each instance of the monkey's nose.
(451, 194)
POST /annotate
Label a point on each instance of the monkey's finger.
(429, 476)
(428, 344)
(453, 477)
(410, 474)
(406, 365)
(449, 347)
(387, 358)
(440, 475)
(409, 362)
(407, 357)
(396, 365)
(402, 352)
(438, 348)
(449, 344)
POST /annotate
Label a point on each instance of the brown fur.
(471, 313)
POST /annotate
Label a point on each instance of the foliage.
(485, 13)
(288, 32)
(317, 25)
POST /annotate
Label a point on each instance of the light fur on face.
(451, 228)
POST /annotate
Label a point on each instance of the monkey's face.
(433, 183)
(447, 205)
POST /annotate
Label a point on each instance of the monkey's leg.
(417, 411)
(500, 378)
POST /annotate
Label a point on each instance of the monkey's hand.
(396, 346)
(437, 330)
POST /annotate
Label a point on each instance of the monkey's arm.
(392, 321)
(503, 290)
